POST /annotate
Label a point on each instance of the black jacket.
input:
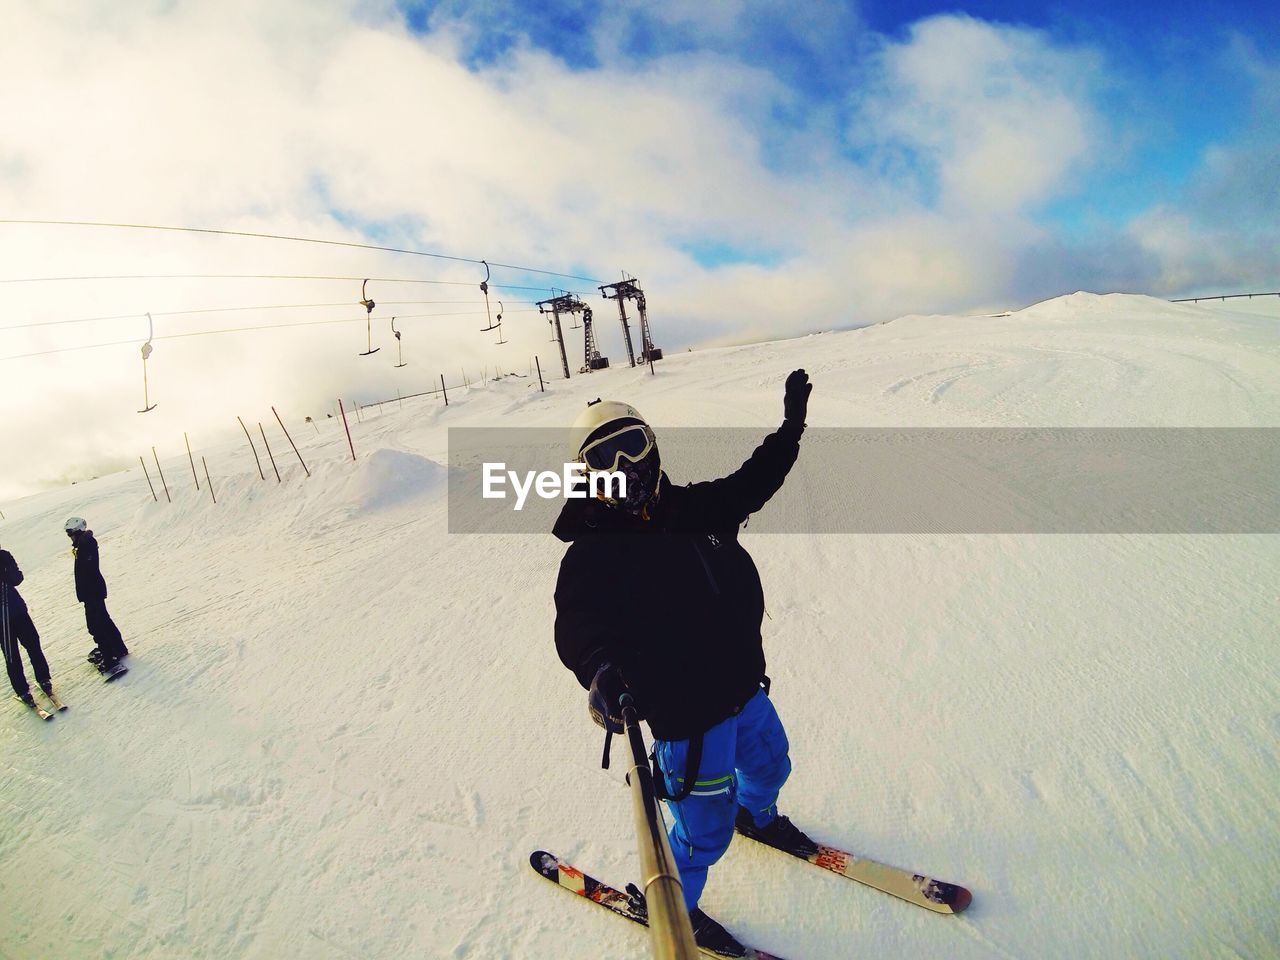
(10, 577)
(674, 601)
(89, 582)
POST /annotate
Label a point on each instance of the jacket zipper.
(715, 587)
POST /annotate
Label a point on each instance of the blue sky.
(1170, 81)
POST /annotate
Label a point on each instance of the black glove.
(795, 402)
(607, 688)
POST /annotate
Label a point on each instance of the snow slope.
(343, 729)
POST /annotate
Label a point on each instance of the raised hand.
(795, 402)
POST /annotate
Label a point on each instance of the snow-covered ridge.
(344, 730)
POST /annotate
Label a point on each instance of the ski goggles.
(633, 442)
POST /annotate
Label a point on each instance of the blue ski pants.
(744, 763)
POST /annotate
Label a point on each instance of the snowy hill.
(344, 730)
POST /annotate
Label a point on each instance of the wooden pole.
(291, 443)
(207, 480)
(541, 386)
(149, 483)
(189, 457)
(342, 410)
(161, 472)
(261, 475)
(400, 398)
(444, 390)
(269, 453)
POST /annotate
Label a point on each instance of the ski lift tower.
(623, 291)
(594, 361)
(568, 303)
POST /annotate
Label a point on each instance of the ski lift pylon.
(147, 405)
(368, 308)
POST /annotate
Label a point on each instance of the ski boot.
(708, 934)
(711, 936)
(639, 906)
(95, 657)
(27, 699)
(779, 832)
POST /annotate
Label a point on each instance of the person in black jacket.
(91, 590)
(687, 644)
(16, 628)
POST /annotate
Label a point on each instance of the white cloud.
(996, 114)
(334, 120)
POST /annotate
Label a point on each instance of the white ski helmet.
(602, 414)
(75, 525)
(610, 436)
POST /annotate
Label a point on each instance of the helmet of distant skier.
(611, 436)
(75, 525)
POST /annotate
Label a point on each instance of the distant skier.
(657, 597)
(91, 590)
(17, 629)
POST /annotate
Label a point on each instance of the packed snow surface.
(343, 729)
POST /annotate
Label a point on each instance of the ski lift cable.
(258, 276)
(208, 333)
(172, 336)
(180, 313)
(277, 236)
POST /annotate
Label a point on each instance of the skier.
(91, 590)
(16, 628)
(656, 597)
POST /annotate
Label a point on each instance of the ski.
(53, 698)
(936, 895)
(43, 713)
(623, 904)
